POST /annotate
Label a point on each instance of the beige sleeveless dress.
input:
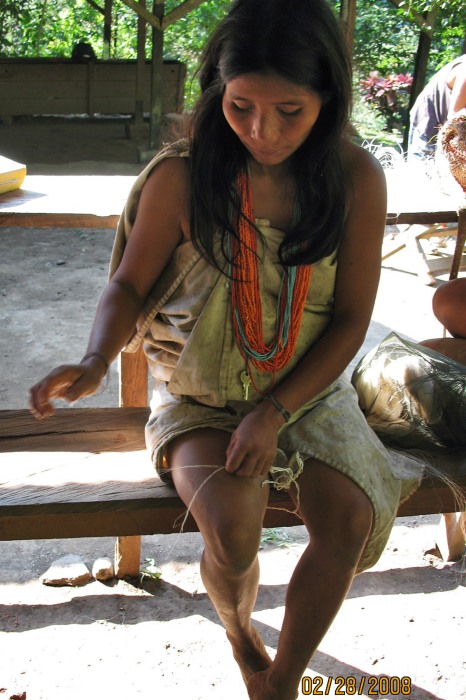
(189, 342)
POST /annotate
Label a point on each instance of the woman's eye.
(240, 108)
(294, 113)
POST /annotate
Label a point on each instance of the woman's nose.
(264, 128)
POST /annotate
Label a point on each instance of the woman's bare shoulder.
(367, 198)
(366, 176)
(165, 193)
(361, 162)
(170, 174)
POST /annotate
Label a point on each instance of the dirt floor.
(403, 619)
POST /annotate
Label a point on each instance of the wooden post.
(107, 28)
(90, 88)
(141, 65)
(133, 393)
(451, 536)
(127, 561)
(420, 69)
(348, 18)
(460, 242)
(137, 128)
(133, 379)
(156, 82)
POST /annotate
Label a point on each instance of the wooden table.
(414, 198)
(96, 201)
(66, 201)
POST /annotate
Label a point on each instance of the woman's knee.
(233, 544)
(347, 526)
(354, 520)
(228, 511)
(449, 306)
(338, 515)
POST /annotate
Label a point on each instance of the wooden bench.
(53, 502)
(85, 473)
(31, 86)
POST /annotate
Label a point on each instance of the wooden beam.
(141, 10)
(53, 220)
(180, 11)
(162, 23)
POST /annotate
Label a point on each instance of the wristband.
(96, 354)
(280, 408)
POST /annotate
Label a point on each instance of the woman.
(249, 257)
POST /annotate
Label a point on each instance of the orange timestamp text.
(378, 686)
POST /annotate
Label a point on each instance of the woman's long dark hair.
(301, 41)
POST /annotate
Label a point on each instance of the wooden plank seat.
(85, 473)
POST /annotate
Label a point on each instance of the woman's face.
(271, 116)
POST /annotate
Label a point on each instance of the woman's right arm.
(161, 225)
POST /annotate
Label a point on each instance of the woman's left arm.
(358, 272)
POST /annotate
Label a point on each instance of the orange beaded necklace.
(246, 301)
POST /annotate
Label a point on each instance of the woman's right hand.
(69, 382)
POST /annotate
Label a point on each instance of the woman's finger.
(69, 382)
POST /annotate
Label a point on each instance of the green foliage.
(185, 39)
(366, 119)
(150, 570)
(386, 41)
(42, 28)
(276, 536)
(386, 38)
(383, 40)
(389, 94)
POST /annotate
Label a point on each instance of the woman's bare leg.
(229, 512)
(338, 517)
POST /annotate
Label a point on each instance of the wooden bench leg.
(127, 556)
(451, 536)
(133, 392)
(414, 246)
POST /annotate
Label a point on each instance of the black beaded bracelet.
(96, 354)
(280, 408)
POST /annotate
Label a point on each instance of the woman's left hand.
(253, 445)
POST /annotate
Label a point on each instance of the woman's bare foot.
(260, 687)
(250, 654)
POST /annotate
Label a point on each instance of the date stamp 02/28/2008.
(378, 686)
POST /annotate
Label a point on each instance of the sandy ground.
(403, 619)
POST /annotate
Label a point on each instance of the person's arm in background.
(458, 91)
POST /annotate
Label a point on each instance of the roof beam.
(180, 11)
(145, 14)
(160, 24)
